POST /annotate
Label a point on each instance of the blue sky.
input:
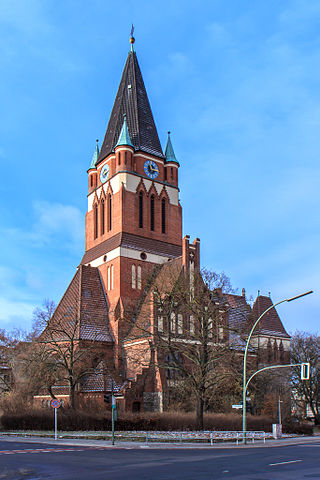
(236, 82)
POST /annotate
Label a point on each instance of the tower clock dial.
(151, 169)
(104, 173)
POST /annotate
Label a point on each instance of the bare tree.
(189, 332)
(305, 347)
(58, 356)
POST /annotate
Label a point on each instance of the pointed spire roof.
(124, 137)
(95, 156)
(169, 152)
(132, 100)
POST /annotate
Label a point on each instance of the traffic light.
(106, 398)
(305, 371)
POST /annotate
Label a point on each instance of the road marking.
(283, 463)
(46, 450)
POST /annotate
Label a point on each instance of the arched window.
(139, 277)
(180, 323)
(140, 210)
(109, 212)
(95, 220)
(163, 215)
(111, 281)
(133, 276)
(152, 213)
(108, 278)
(102, 215)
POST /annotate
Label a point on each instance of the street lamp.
(244, 393)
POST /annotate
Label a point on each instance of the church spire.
(132, 100)
(95, 156)
(169, 152)
(124, 137)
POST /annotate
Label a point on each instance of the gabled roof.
(132, 100)
(270, 323)
(82, 312)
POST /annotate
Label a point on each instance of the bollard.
(146, 438)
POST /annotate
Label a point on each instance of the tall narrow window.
(133, 276)
(110, 212)
(191, 324)
(152, 213)
(171, 173)
(125, 158)
(163, 215)
(140, 210)
(102, 219)
(180, 323)
(108, 279)
(111, 278)
(91, 180)
(139, 277)
(119, 159)
(160, 324)
(165, 174)
(173, 322)
(95, 220)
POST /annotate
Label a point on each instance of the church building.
(133, 234)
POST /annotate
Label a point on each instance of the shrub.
(70, 420)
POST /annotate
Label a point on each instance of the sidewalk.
(91, 441)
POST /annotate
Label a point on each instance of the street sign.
(236, 406)
(55, 403)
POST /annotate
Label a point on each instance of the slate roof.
(270, 323)
(132, 100)
(82, 311)
(242, 317)
(135, 242)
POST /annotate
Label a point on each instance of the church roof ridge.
(132, 100)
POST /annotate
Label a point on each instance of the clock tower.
(134, 218)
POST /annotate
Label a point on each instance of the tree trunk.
(71, 396)
(200, 406)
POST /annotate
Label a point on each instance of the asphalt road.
(33, 461)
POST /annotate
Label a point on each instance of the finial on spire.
(258, 293)
(132, 39)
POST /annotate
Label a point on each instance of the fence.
(205, 437)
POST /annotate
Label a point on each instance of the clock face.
(104, 173)
(151, 169)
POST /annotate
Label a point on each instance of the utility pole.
(113, 406)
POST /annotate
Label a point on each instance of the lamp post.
(244, 389)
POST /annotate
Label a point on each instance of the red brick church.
(133, 234)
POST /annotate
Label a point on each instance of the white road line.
(283, 463)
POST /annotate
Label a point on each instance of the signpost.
(55, 404)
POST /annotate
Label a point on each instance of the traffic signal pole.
(112, 412)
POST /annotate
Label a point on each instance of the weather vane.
(132, 40)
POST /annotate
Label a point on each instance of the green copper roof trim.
(94, 156)
(124, 137)
(169, 152)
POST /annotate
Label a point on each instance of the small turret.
(92, 168)
(124, 137)
(171, 163)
